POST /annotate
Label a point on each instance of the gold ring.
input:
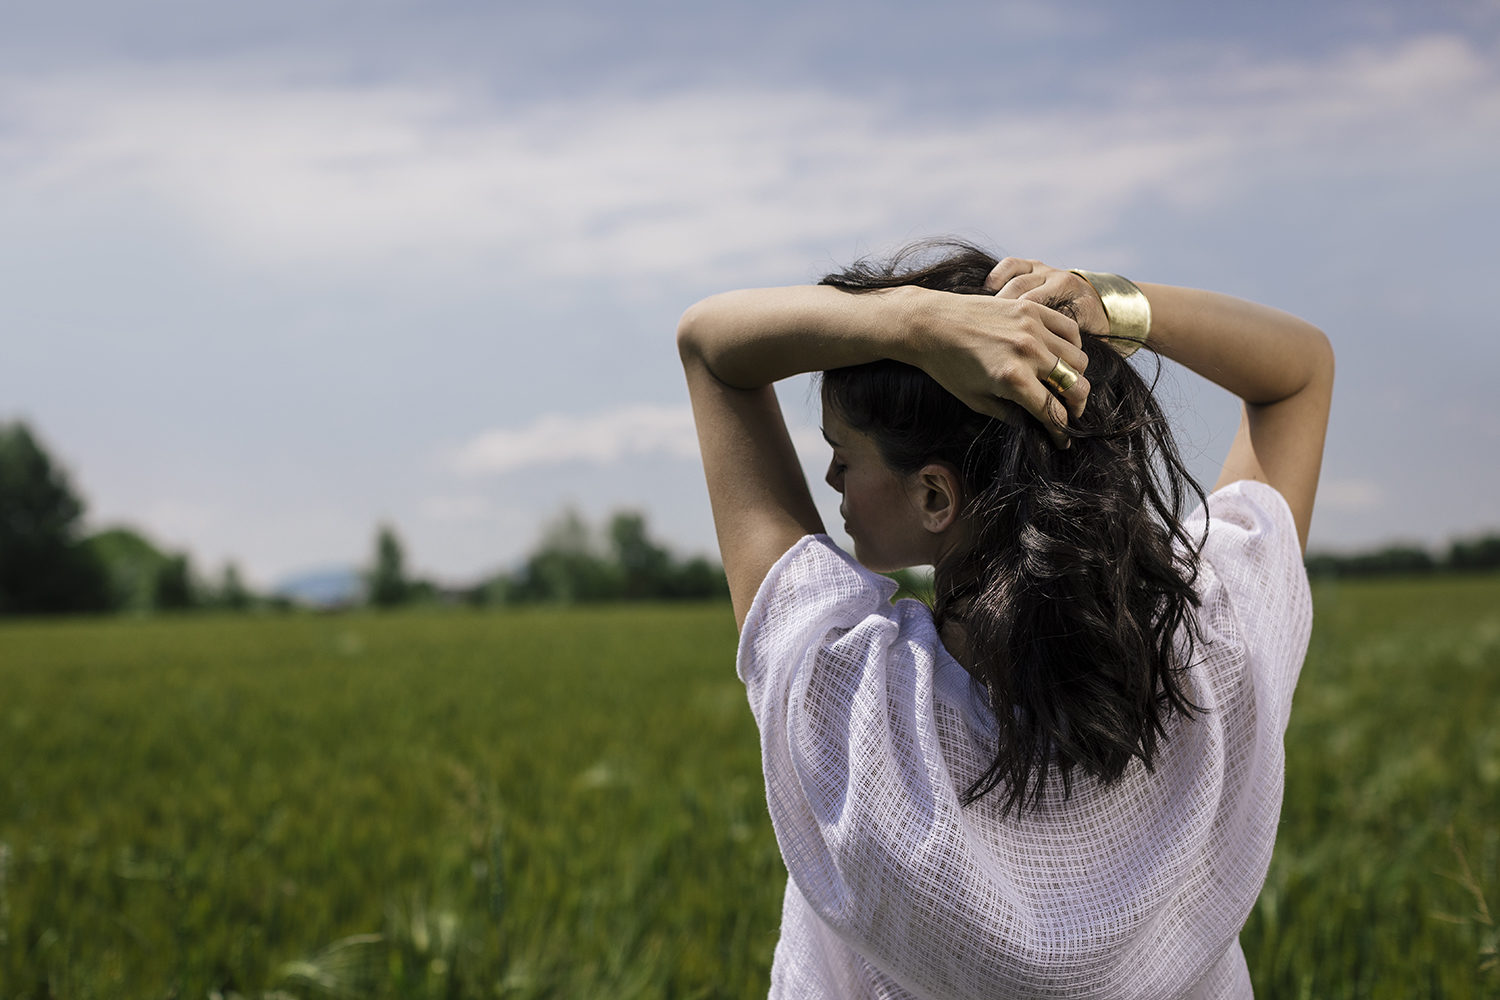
(1062, 377)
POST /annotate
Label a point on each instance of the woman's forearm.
(1260, 354)
(1279, 365)
(757, 336)
(992, 353)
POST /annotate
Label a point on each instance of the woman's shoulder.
(1255, 602)
(1249, 505)
(816, 602)
(815, 577)
(1247, 538)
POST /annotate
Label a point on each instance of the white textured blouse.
(870, 732)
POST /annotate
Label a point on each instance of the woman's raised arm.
(1281, 367)
(991, 353)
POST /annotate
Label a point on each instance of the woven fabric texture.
(870, 732)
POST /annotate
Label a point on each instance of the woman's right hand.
(1280, 366)
(1068, 293)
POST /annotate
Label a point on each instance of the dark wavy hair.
(1076, 595)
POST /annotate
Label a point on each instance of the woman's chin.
(871, 561)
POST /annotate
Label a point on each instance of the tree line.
(574, 564)
(50, 565)
(1466, 555)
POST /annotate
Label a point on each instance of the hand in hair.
(994, 356)
(1280, 366)
(994, 353)
(1033, 281)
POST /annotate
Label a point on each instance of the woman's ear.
(938, 496)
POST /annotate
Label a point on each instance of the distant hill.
(335, 587)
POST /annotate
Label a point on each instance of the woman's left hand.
(997, 356)
(1068, 293)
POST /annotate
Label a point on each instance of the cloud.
(558, 439)
(692, 183)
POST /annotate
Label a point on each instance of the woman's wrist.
(911, 331)
(1126, 309)
(757, 336)
(1259, 353)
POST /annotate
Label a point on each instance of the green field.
(568, 804)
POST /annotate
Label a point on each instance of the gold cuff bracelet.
(1126, 308)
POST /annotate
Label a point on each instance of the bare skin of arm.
(1280, 367)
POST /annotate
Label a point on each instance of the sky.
(273, 274)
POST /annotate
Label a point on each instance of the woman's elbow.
(1307, 362)
(690, 334)
(1322, 358)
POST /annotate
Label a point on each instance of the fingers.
(1007, 270)
(1021, 284)
(1030, 392)
(1033, 281)
(1054, 406)
(1077, 391)
(1054, 339)
(1065, 329)
(1003, 409)
(1051, 336)
(1048, 410)
(1068, 293)
(1046, 337)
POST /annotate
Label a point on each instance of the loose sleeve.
(814, 589)
(834, 686)
(1255, 588)
(883, 888)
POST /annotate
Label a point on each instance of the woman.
(1064, 778)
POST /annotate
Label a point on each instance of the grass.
(568, 804)
(1384, 882)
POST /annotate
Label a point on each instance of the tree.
(644, 566)
(388, 585)
(132, 566)
(233, 594)
(567, 567)
(43, 567)
(572, 564)
(696, 579)
(175, 590)
(1475, 554)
